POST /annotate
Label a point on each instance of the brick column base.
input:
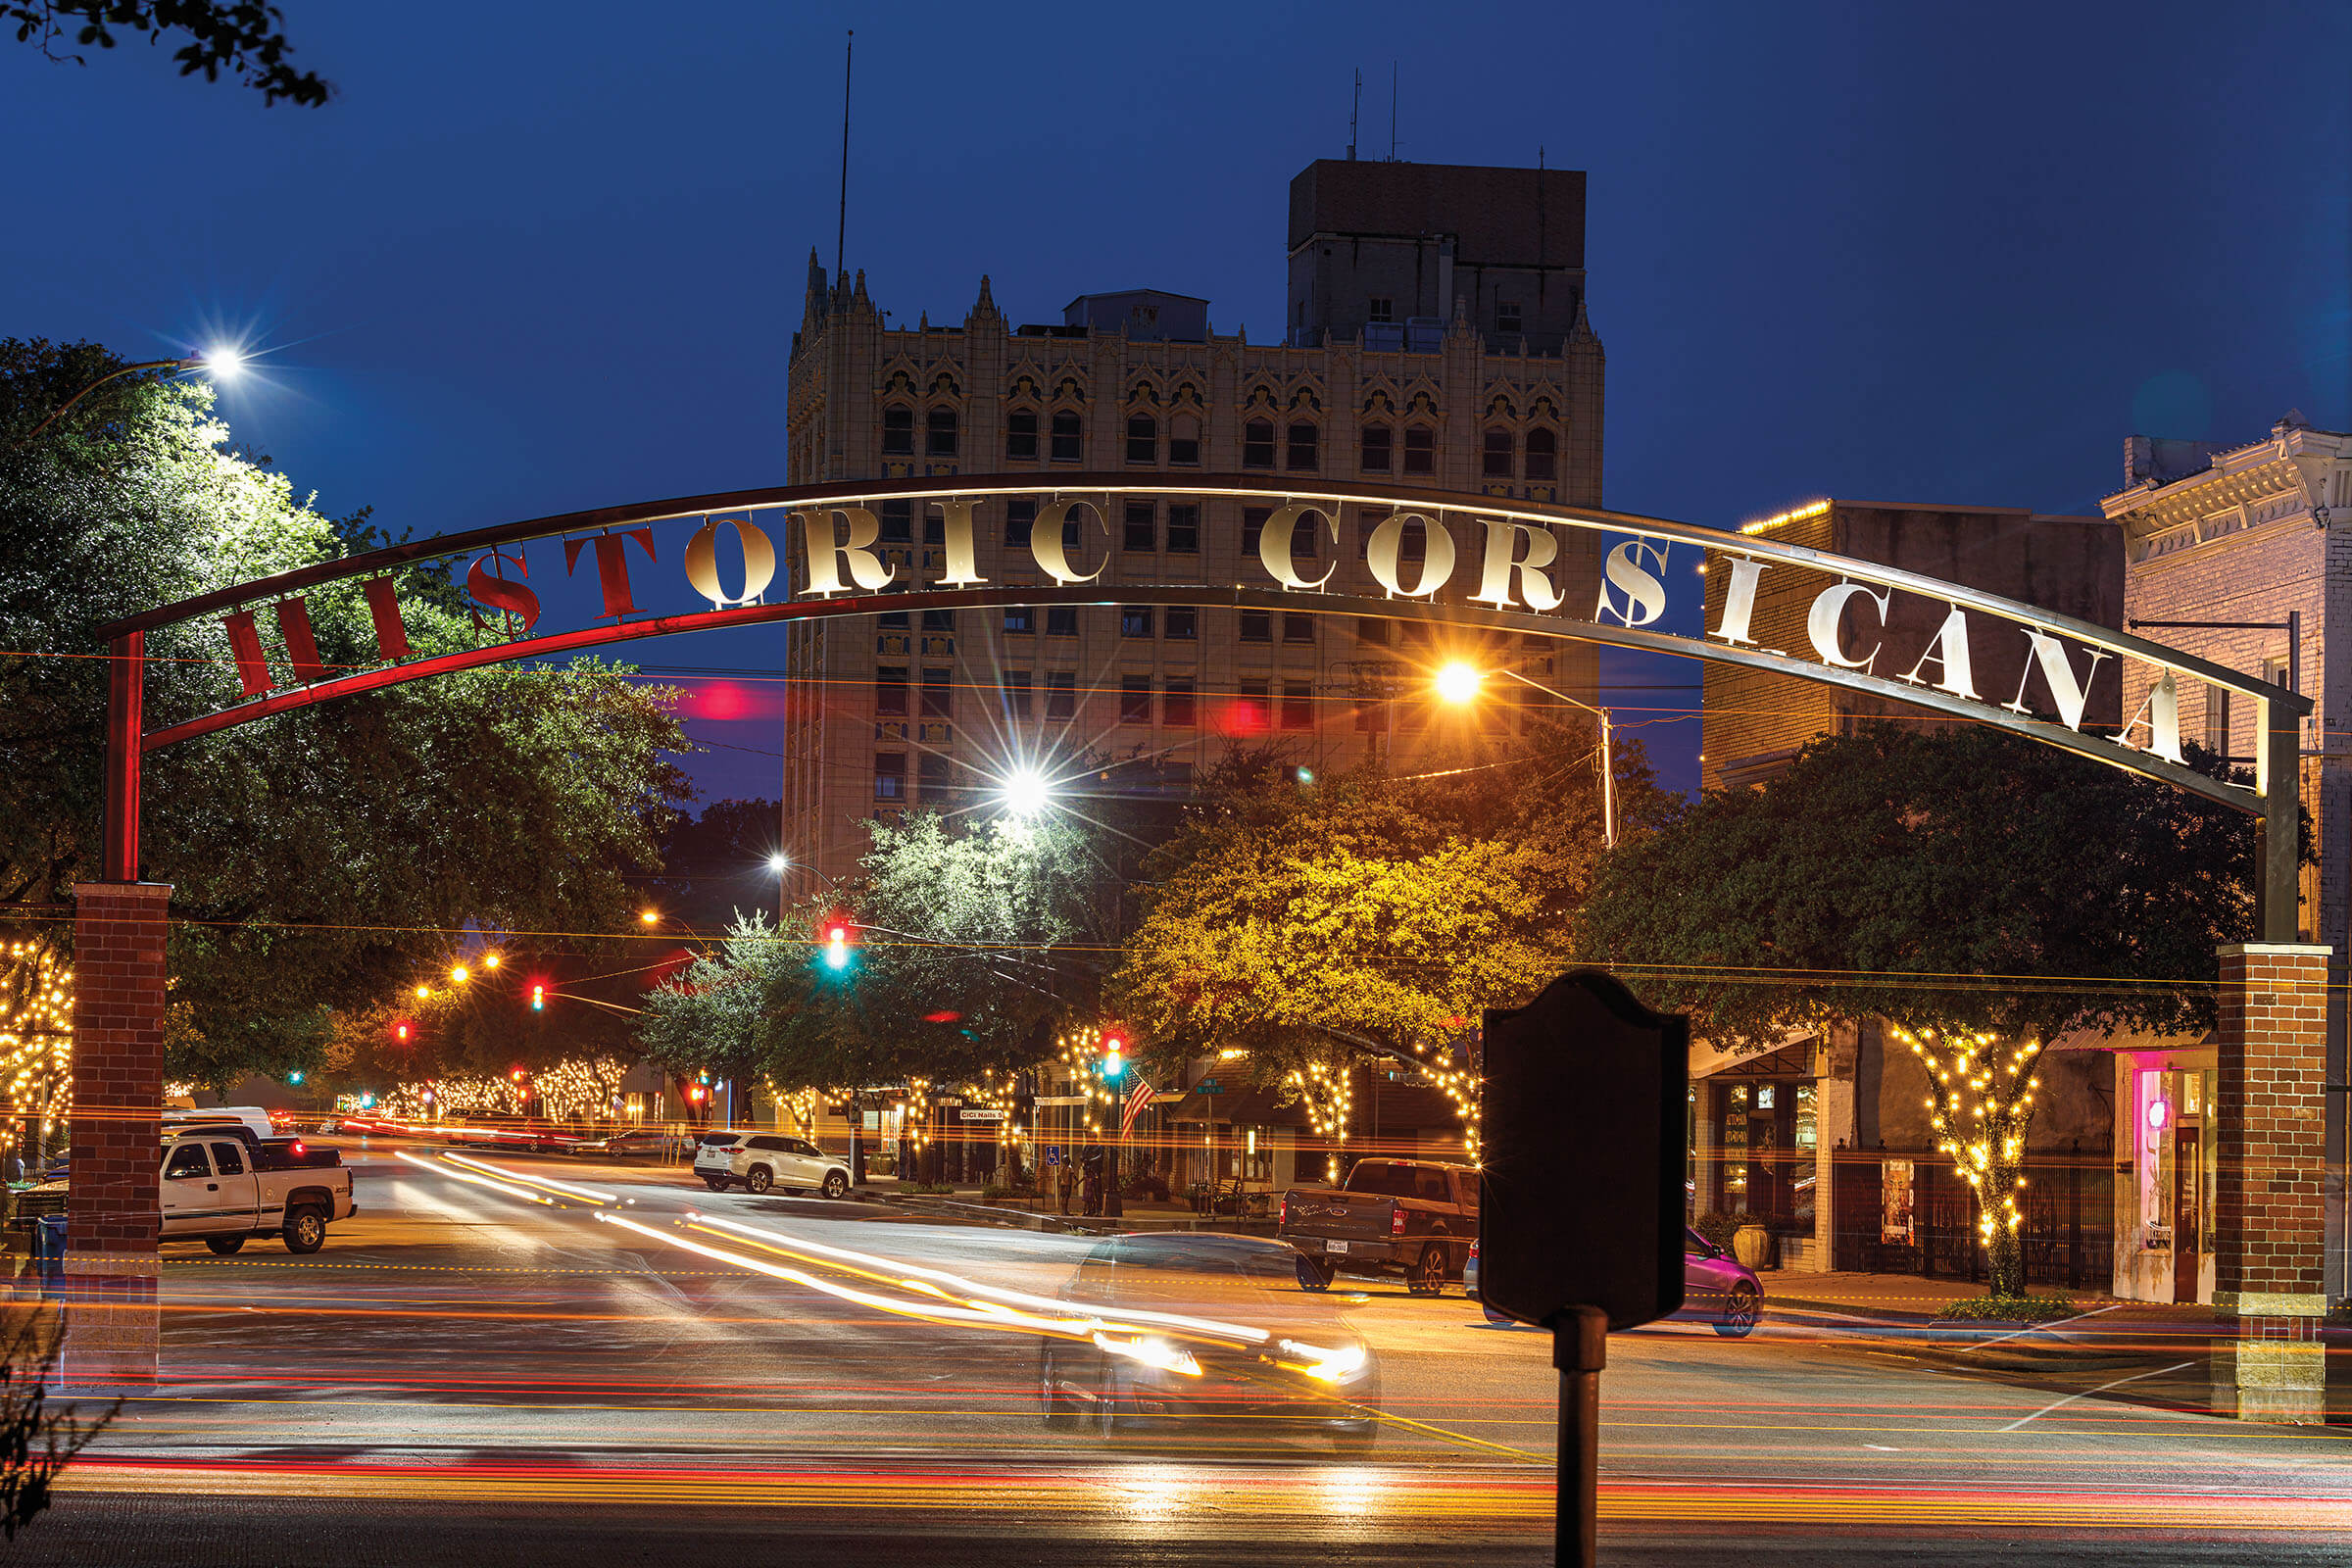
(111, 1215)
(2269, 1227)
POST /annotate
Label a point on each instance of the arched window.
(1302, 449)
(1184, 439)
(1376, 448)
(1498, 455)
(1067, 434)
(898, 432)
(1543, 456)
(1020, 434)
(1420, 449)
(938, 433)
(1258, 444)
(1143, 438)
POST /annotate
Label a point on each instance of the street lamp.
(1459, 684)
(460, 974)
(223, 362)
(1027, 793)
(650, 916)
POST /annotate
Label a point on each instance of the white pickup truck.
(219, 1188)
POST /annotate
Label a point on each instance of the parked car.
(1201, 1333)
(1716, 1287)
(1414, 1217)
(762, 1161)
(221, 1190)
(252, 1118)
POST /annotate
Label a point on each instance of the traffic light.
(1114, 1065)
(399, 1032)
(538, 999)
(837, 945)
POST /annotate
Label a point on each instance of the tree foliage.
(36, 1442)
(238, 36)
(1367, 909)
(322, 857)
(1959, 880)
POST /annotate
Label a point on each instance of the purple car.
(1716, 1286)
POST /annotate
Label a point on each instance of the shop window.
(1061, 694)
(1303, 448)
(1068, 433)
(890, 775)
(1143, 438)
(1020, 435)
(1258, 444)
(898, 432)
(1135, 699)
(1420, 449)
(1543, 456)
(1376, 440)
(1184, 528)
(938, 433)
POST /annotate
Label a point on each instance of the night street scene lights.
(224, 362)
(1026, 793)
(1460, 683)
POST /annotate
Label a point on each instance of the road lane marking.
(2101, 1389)
(2036, 1328)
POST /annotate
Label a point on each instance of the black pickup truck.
(1414, 1217)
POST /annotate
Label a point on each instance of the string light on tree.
(37, 1042)
(1980, 1105)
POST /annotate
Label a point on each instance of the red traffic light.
(839, 933)
(400, 1031)
(516, 1075)
(538, 998)
(1114, 1045)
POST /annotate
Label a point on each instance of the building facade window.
(1297, 628)
(931, 773)
(1375, 446)
(1371, 716)
(1067, 437)
(1184, 528)
(1135, 699)
(1019, 516)
(1297, 705)
(940, 620)
(1257, 625)
(890, 775)
(1143, 438)
(1258, 444)
(1381, 308)
(939, 693)
(1253, 525)
(1420, 449)
(1181, 623)
(898, 432)
(1061, 694)
(1184, 441)
(1020, 435)
(890, 691)
(1506, 316)
(1135, 621)
(1020, 618)
(1371, 632)
(898, 522)
(1496, 459)
(1014, 686)
(1142, 527)
(1543, 456)
(1250, 707)
(938, 433)
(2217, 721)
(1061, 620)
(1176, 704)
(1303, 448)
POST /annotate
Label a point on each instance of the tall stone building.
(1437, 338)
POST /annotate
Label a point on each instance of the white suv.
(762, 1161)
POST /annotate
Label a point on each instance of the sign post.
(1581, 1220)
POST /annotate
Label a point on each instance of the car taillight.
(1284, 1219)
(1396, 1220)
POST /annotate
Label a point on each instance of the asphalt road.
(480, 1369)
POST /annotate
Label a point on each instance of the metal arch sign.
(816, 551)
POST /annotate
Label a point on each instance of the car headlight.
(1153, 1352)
(1327, 1365)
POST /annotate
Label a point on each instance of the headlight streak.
(984, 1307)
(1327, 1366)
(439, 1169)
(565, 1188)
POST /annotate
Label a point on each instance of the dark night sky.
(540, 258)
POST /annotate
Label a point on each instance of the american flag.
(1137, 1099)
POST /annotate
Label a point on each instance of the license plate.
(1335, 1247)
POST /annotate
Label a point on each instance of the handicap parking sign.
(1052, 1155)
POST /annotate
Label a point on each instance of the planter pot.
(1751, 1245)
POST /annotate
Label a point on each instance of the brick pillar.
(111, 1217)
(2269, 1228)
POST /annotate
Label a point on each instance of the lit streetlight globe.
(778, 863)
(1026, 793)
(224, 363)
(1459, 682)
